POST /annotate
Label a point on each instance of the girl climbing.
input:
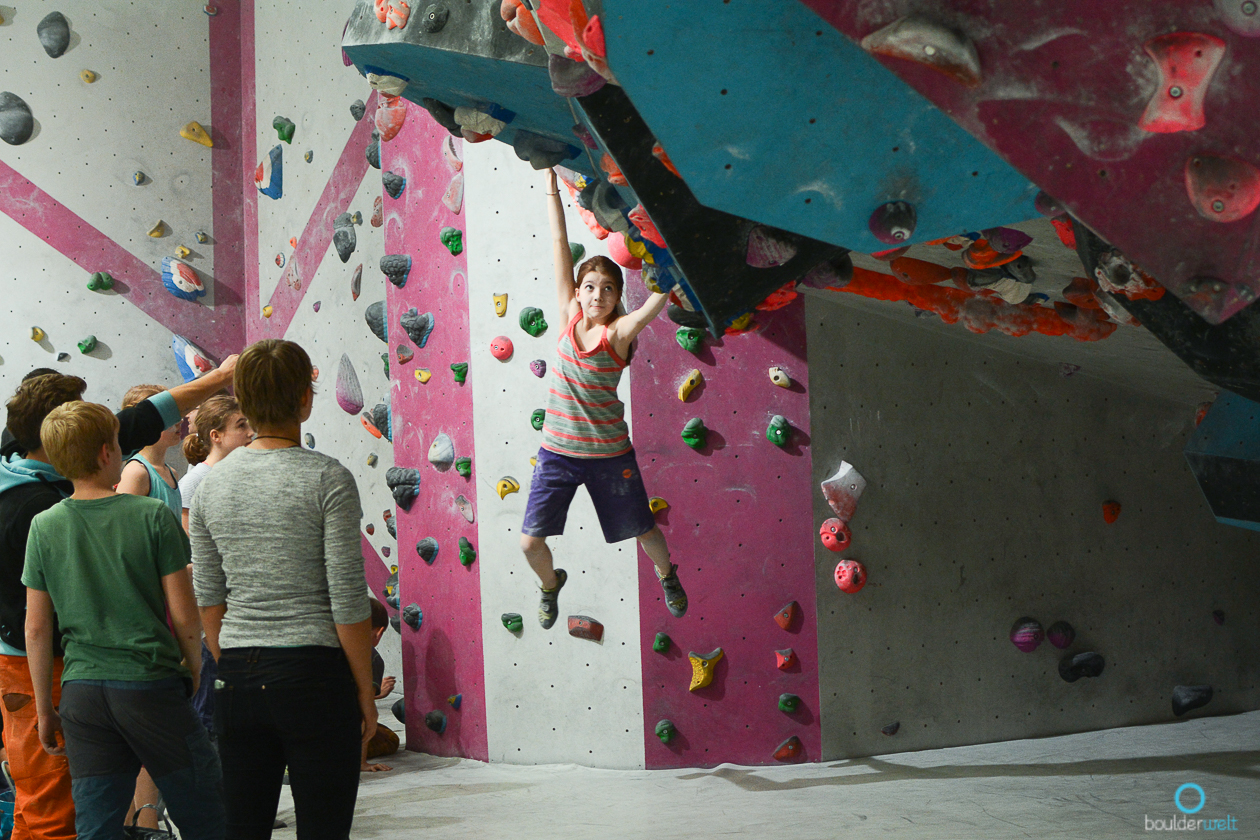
(585, 438)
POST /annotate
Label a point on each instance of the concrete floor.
(1094, 785)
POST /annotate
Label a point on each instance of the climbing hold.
(373, 151)
(396, 267)
(442, 452)
(427, 548)
(88, 344)
(357, 218)
(392, 85)
(537, 418)
(785, 659)
(399, 709)
(394, 184)
(689, 338)
(453, 239)
(397, 13)
(139, 178)
(850, 576)
(835, 535)
(1240, 16)
(310, 444)
(1026, 634)
(405, 354)
(689, 384)
(266, 311)
(500, 304)
(465, 508)
(790, 750)
(572, 78)
(391, 113)
(456, 700)
(308, 156)
(467, 554)
(1088, 664)
(434, 720)
(780, 378)
(463, 466)
(370, 529)
(284, 128)
(460, 370)
(158, 230)
(269, 176)
(357, 109)
(375, 317)
(665, 730)
(843, 490)
(1186, 62)
(404, 484)
(476, 125)
(100, 281)
(382, 420)
(1006, 240)
(63, 357)
(512, 622)
(694, 433)
(576, 251)
(1222, 189)
(501, 348)
(1110, 511)
(453, 198)
(789, 703)
(390, 589)
(539, 151)
(412, 616)
(929, 43)
(779, 432)
(786, 616)
(893, 223)
(197, 133)
(640, 219)
(538, 367)
(434, 18)
(210, 9)
(585, 627)
(182, 252)
(54, 34)
(892, 728)
(344, 237)
(88, 76)
(423, 375)
(371, 459)
(1187, 698)
(389, 524)
(767, 248)
(531, 319)
(656, 504)
(280, 260)
(661, 643)
(191, 360)
(417, 325)
(181, 280)
(506, 485)
(37, 334)
(1061, 635)
(702, 668)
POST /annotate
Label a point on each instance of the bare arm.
(192, 394)
(561, 256)
(356, 641)
(39, 657)
(212, 624)
(135, 480)
(625, 328)
(177, 587)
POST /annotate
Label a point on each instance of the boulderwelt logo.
(1190, 800)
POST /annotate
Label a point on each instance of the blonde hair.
(74, 433)
(139, 393)
(212, 416)
(271, 378)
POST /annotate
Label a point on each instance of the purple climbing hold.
(538, 367)
(1061, 635)
(1006, 240)
(1219, 617)
(892, 728)
(1047, 206)
(834, 273)
(893, 223)
(583, 133)
(768, 248)
(349, 394)
(1026, 634)
(572, 78)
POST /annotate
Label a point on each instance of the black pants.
(294, 707)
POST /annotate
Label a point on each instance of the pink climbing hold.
(766, 249)
(1186, 62)
(391, 112)
(850, 576)
(501, 348)
(453, 198)
(640, 219)
(835, 535)
(593, 37)
(621, 255)
(1223, 189)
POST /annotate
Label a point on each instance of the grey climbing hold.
(434, 18)
(412, 616)
(63, 357)
(1072, 668)
(418, 325)
(390, 590)
(344, 238)
(404, 484)
(442, 452)
(391, 527)
(54, 34)
(609, 207)
(400, 706)
(375, 316)
(357, 218)
(443, 115)
(396, 267)
(427, 548)
(310, 440)
(309, 156)
(396, 623)
(16, 122)
(373, 151)
(394, 184)
(357, 109)
(541, 152)
(572, 78)
(1187, 698)
(436, 721)
(201, 237)
(382, 420)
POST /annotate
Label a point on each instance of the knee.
(651, 536)
(532, 545)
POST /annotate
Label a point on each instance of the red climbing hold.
(1201, 412)
(1186, 62)
(850, 576)
(785, 659)
(391, 112)
(779, 298)
(1111, 511)
(613, 171)
(658, 152)
(787, 616)
(928, 43)
(1063, 227)
(640, 219)
(585, 627)
(790, 750)
(1080, 292)
(593, 37)
(1222, 189)
(924, 273)
(982, 255)
(835, 535)
(519, 21)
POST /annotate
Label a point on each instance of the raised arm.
(562, 257)
(192, 394)
(625, 328)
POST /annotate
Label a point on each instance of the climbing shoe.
(675, 597)
(548, 610)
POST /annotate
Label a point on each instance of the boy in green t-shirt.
(111, 566)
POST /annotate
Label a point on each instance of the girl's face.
(597, 295)
(236, 432)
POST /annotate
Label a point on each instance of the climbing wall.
(72, 205)
(987, 475)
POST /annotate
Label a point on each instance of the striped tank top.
(584, 417)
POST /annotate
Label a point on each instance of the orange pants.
(44, 809)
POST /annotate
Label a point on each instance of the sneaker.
(548, 610)
(675, 597)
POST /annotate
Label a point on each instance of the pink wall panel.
(445, 656)
(740, 527)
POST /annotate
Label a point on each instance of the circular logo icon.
(1190, 786)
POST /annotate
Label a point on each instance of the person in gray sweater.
(278, 574)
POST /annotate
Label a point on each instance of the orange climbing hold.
(790, 750)
(982, 255)
(382, 10)
(786, 616)
(640, 219)
(520, 22)
(1111, 511)
(658, 152)
(779, 298)
(924, 273)
(391, 112)
(1063, 227)
(1080, 292)
(613, 171)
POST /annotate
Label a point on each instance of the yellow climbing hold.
(267, 311)
(702, 668)
(423, 375)
(533, 460)
(779, 377)
(500, 305)
(37, 334)
(88, 76)
(182, 252)
(638, 249)
(741, 323)
(689, 384)
(506, 485)
(656, 504)
(195, 132)
(158, 230)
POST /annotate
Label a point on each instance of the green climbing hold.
(385, 359)
(665, 731)
(536, 419)
(88, 344)
(100, 281)
(463, 466)
(513, 622)
(453, 239)
(467, 554)
(284, 128)
(788, 703)
(661, 643)
(532, 321)
(577, 250)
(694, 433)
(778, 432)
(460, 369)
(689, 338)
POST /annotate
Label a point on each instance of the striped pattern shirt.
(584, 417)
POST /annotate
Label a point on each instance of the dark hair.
(38, 372)
(380, 618)
(34, 399)
(271, 378)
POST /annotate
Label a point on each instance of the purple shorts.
(616, 490)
